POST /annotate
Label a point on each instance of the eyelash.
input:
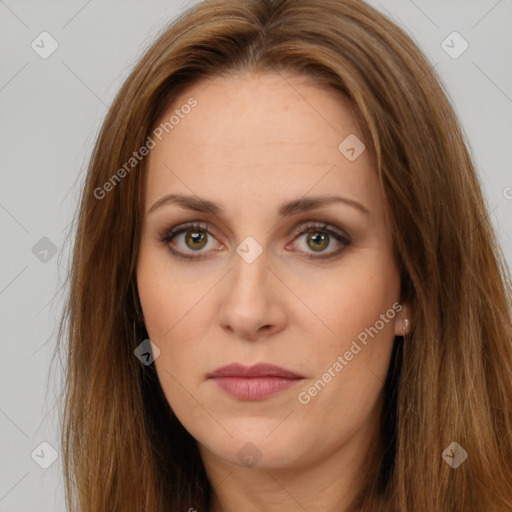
(167, 235)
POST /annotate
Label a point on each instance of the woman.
(285, 291)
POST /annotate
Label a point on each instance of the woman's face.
(275, 273)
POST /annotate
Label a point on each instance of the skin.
(251, 143)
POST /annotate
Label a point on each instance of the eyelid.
(169, 233)
(321, 226)
(340, 236)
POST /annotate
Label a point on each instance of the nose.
(252, 307)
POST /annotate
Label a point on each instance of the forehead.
(270, 135)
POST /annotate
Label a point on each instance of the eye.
(196, 238)
(319, 237)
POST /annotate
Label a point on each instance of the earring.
(406, 324)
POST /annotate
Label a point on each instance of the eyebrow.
(198, 204)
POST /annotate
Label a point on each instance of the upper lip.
(257, 370)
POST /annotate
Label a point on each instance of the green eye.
(195, 239)
(319, 238)
(321, 241)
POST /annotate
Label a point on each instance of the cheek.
(164, 295)
(344, 394)
(344, 305)
(351, 361)
(171, 305)
(327, 312)
(350, 301)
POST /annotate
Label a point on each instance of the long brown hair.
(451, 380)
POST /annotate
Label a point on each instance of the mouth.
(254, 382)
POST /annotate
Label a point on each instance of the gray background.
(51, 110)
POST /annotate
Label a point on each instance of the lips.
(257, 370)
(254, 382)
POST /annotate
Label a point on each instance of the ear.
(400, 318)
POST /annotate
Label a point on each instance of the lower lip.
(254, 388)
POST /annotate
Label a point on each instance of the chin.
(262, 448)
